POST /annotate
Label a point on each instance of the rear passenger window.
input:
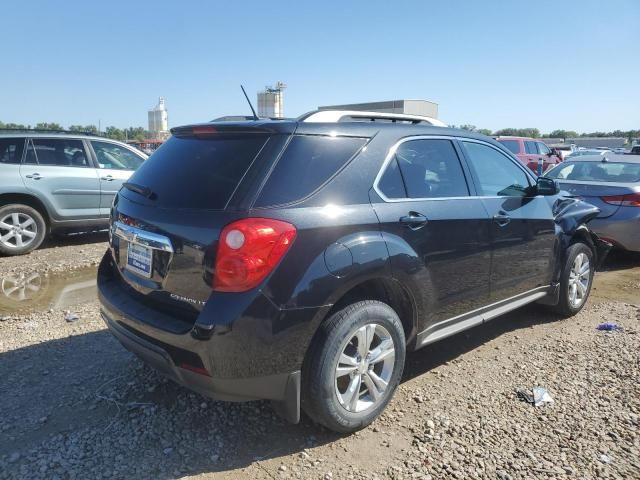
(306, 164)
(11, 150)
(391, 184)
(530, 147)
(57, 152)
(431, 169)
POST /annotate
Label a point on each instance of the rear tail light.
(248, 251)
(631, 200)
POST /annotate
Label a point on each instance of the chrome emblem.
(193, 301)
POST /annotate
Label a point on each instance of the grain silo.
(159, 121)
(271, 101)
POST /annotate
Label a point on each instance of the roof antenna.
(255, 117)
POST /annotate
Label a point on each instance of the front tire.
(576, 279)
(22, 229)
(354, 366)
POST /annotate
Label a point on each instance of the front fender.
(572, 217)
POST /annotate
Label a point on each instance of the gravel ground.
(59, 254)
(75, 404)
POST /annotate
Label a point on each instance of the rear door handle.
(502, 219)
(414, 220)
(35, 176)
(108, 178)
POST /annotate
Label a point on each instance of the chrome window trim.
(142, 237)
(395, 146)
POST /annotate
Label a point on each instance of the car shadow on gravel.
(85, 395)
(444, 351)
(70, 239)
(82, 401)
(620, 260)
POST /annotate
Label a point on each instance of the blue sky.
(545, 64)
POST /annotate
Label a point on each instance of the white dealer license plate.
(140, 259)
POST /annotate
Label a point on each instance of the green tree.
(466, 126)
(48, 126)
(114, 133)
(84, 128)
(519, 132)
(563, 134)
(507, 132)
(484, 131)
(14, 126)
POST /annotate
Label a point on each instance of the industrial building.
(271, 101)
(159, 121)
(409, 107)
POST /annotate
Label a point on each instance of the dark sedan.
(611, 183)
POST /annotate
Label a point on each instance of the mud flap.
(289, 408)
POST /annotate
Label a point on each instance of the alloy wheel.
(364, 368)
(17, 230)
(579, 278)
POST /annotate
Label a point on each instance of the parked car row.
(533, 153)
(58, 182)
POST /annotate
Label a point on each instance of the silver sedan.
(612, 183)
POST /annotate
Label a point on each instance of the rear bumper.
(258, 355)
(273, 387)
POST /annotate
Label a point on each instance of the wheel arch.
(29, 200)
(386, 290)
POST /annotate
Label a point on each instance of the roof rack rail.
(336, 116)
(49, 130)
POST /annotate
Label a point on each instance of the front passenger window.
(495, 173)
(114, 156)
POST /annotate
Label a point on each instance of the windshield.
(597, 172)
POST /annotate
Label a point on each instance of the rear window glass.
(597, 172)
(512, 145)
(198, 172)
(11, 150)
(307, 163)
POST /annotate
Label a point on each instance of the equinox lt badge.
(186, 299)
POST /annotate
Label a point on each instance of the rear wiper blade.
(142, 190)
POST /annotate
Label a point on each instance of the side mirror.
(547, 186)
(554, 151)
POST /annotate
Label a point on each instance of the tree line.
(535, 133)
(139, 133)
(122, 134)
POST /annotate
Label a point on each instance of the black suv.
(298, 261)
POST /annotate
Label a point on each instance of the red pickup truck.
(531, 151)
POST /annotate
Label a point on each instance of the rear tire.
(22, 229)
(353, 366)
(576, 279)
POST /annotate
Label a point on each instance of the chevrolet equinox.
(299, 260)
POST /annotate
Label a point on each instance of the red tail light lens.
(631, 200)
(248, 251)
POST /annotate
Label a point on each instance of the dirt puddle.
(22, 293)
